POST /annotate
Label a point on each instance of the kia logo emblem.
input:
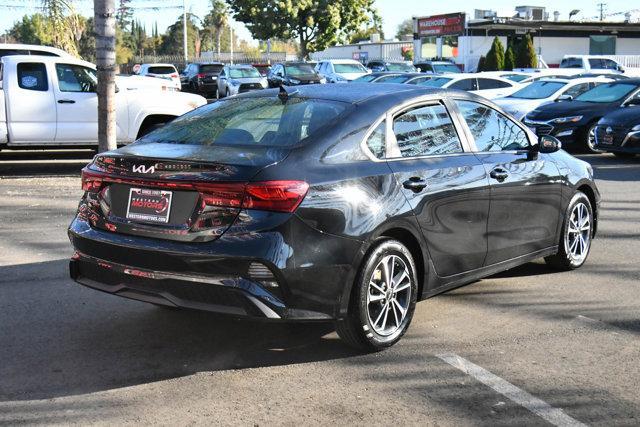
(144, 169)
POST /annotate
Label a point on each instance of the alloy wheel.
(591, 140)
(389, 295)
(578, 236)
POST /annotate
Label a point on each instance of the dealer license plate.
(149, 205)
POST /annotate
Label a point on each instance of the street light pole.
(104, 15)
(184, 31)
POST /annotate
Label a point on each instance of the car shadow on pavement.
(607, 167)
(59, 338)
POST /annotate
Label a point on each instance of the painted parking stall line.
(539, 407)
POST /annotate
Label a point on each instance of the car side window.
(418, 80)
(577, 89)
(33, 76)
(464, 84)
(377, 141)
(426, 131)
(492, 131)
(76, 78)
(492, 84)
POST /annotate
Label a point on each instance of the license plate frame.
(149, 205)
(606, 140)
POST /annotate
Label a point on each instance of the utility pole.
(104, 16)
(184, 31)
(602, 7)
(231, 41)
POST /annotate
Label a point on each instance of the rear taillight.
(91, 182)
(201, 76)
(277, 196)
(174, 76)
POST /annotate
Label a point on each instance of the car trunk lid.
(183, 192)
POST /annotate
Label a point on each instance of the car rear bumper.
(249, 275)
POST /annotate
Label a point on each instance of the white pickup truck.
(52, 101)
(595, 64)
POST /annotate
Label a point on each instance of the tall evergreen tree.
(495, 56)
(526, 54)
(509, 58)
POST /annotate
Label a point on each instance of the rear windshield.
(608, 92)
(515, 77)
(260, 122)
(399, 66)
(446, 68)
(211, 68)
(161, 69)
(299, 70)
(436, 82)
(394, 79)
(538, 90)
(349, 68)
(238, 73)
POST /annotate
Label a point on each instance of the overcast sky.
(393, 11)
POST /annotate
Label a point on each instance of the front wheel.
(575, 239)
(590, 140)
(383, 300)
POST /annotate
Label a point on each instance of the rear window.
(205, 69)
(263, 122)
(162, 70)
(239, 73)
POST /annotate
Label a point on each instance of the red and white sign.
(441, 25)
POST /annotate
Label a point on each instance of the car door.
(77, 106)
(31, 116)
(445, 184)
(525, 186)
(222, 81)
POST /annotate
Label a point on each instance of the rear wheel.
(383, 299)
(575, 239)
(226, 93)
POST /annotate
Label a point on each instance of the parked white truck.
(52, 101)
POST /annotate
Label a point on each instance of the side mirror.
(548, 144)
(564, 98)
(621, 68)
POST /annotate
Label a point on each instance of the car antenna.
(285, 93)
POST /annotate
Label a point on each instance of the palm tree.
(62, 18)
(218, 18)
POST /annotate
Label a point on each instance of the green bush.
(495, 57)
(526, 55)
(509, 59)
(481, 62)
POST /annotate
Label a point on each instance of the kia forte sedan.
(329, 203)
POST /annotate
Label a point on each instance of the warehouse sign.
(441, 25)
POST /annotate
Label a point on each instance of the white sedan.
(489, 87)
(543, 91)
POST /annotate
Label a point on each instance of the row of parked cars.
(586, 111)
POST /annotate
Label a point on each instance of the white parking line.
(539, 407)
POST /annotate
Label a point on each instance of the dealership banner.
(441, 25)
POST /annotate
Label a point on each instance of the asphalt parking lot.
(528, 346)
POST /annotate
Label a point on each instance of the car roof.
(353, 93)
(20, 46)
(208, 63)
(342, 61)
(157, 64)
(240, 66)
(287, 63)
(46, 58)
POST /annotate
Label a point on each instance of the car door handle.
(499, 174)
(66, 101)
(415, 184)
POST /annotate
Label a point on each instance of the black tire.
(565, 259)
(625, 155)
(358, 329)
(226, 93)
